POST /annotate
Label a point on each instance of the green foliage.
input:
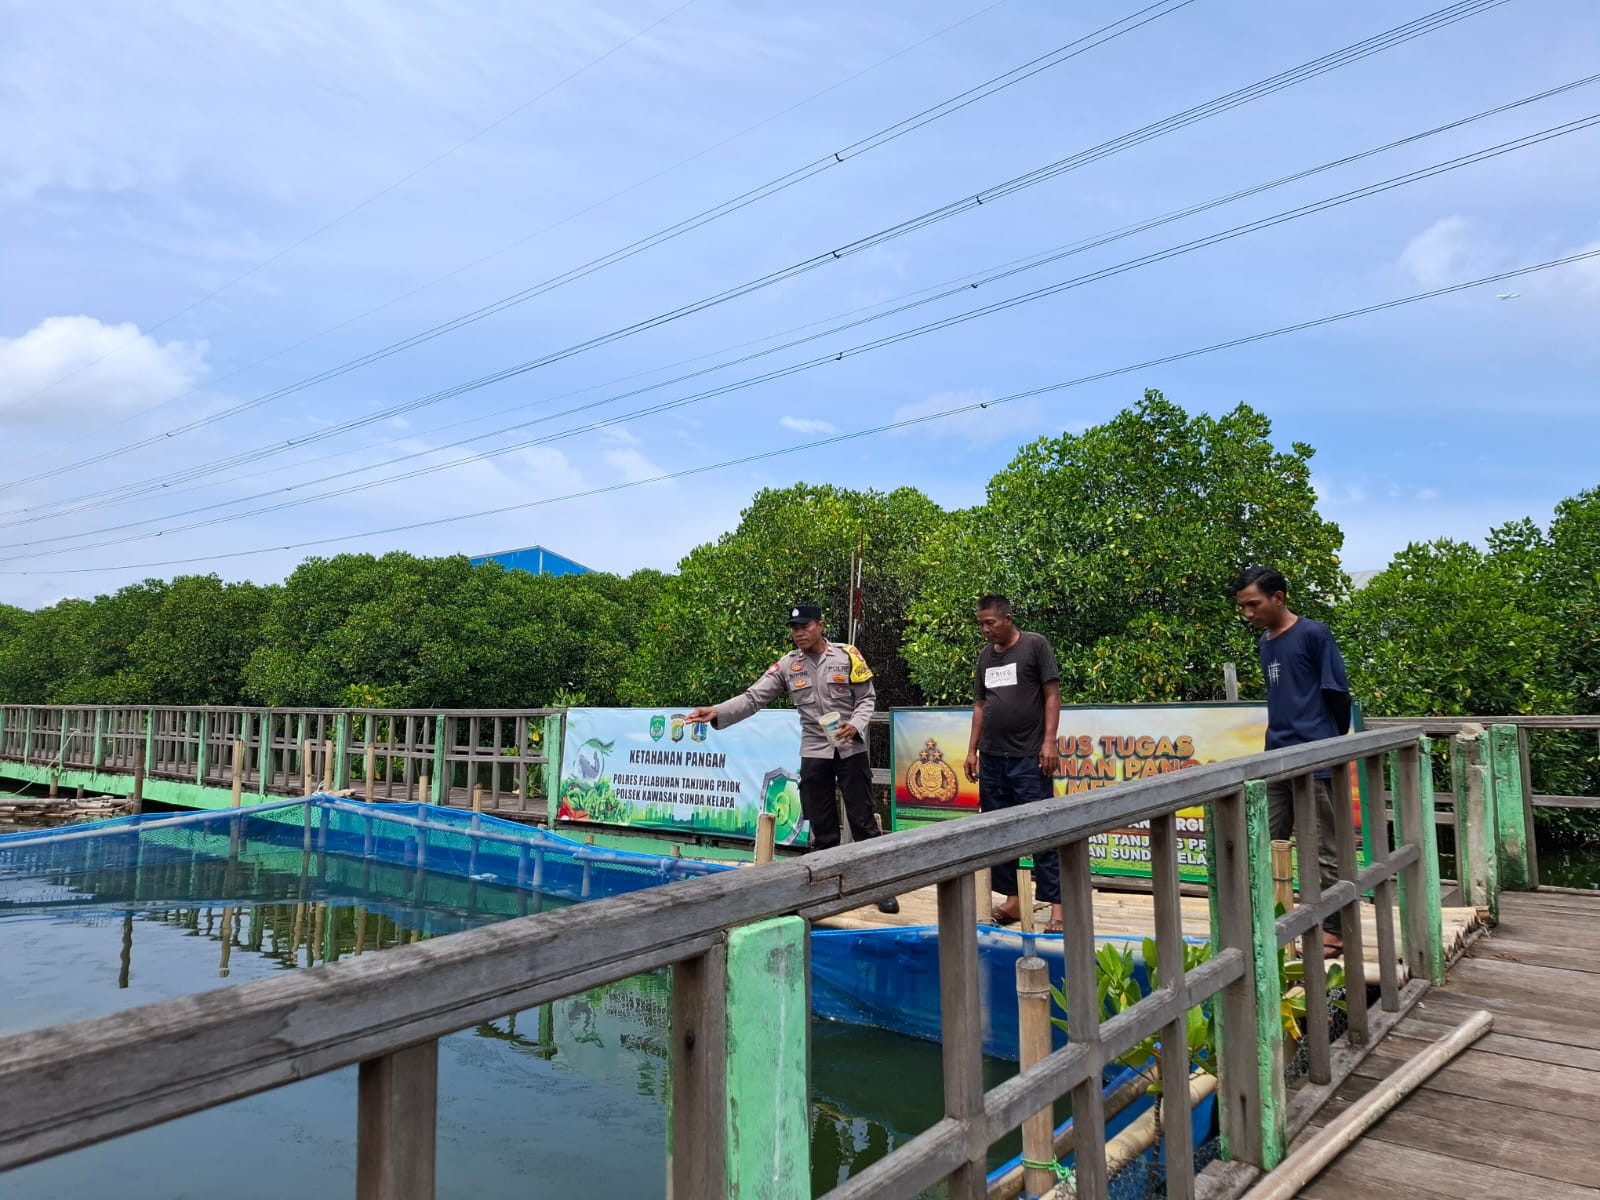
(1117, 988)
(720, 621)
(1119, 544)
(440, 632)
(1448, 629)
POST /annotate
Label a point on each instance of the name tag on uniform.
(998, 677)
(799, 683)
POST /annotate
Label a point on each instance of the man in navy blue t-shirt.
(1308, 699)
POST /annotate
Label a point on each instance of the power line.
(1273, 220)
(888, 308)
(772, 187)
(350, 212)
(566, 220)
(1349, 54)
(837, 439)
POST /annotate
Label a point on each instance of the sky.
(214, 214)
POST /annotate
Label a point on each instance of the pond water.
(562, 1100)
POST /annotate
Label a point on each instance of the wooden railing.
(1492, 753)
(434, 755)
(731, 932)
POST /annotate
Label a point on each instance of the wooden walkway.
(1515, 1117)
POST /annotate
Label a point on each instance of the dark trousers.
(853, 777)
(1280, 825)
(1005, 783)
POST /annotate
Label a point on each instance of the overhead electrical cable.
(593, 205)
(854, 435)
(503, 448)
(782, 183)
(878, 311)
(351, 211)
(1332, 61)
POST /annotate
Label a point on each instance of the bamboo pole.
(137, 799)
(477, 797)
(370, 766)
(1033, 1046)
(1283, 874)
(1025, 898)
(327, 765)
(308, 777)
(984, 888)
(424, 788)
(1306, 1163)
(766, 837)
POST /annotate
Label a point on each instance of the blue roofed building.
(536, 560)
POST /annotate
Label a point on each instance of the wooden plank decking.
(1517, 1116)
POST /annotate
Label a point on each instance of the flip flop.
(1051, 927)
(1002, 919)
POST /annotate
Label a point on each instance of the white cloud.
(632, 465)
(987, 422)
(1444, 252)
(808, 425)
(70, 369)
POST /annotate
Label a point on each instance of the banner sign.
(1099, 746)
(653, 769)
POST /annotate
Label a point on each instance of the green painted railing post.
(739, 1120)
(99, 757)
(2, 729)
(149, 740)
(1252, 1102)
(1421, 915)
(439, 785)
(551, 746)
(1513, 809)
(264, 754)
(299, 751)
(341, 751)
(27, 734)
(203, 749)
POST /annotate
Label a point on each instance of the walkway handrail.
(74, 1084)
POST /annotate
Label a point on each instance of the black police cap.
(803, 614)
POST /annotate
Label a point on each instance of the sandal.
(1051, 927)
(1002, 919)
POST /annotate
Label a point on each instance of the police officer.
(821, 678)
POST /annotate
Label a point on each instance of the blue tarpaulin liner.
(889, 979)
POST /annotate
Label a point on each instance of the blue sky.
(157, 155)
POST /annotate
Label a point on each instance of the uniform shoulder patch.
(859, 671)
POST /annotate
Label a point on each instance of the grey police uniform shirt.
(816, 687)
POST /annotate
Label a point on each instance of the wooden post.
(1512, 807)
(424, 789)
(1350, 931)
(961, 1025)
(202, 755)
(327, 765)
(551, 748)
(1525, 775)
(1421, 918)
(397, 1124)
(1174, 1098)
(766, 837)
(1283, 873)
(1250, 1094)
(1230, 682)
(697, 1128)
(1083, 1016)
(1308, 845)
(369, 766)
(341, 751)
(442, 779)
(98, 760)
(1482, 864)
(238, 772)
(136, 801)
(308, 777)
(1033, 1046)
(477, 797)
(264, 753)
